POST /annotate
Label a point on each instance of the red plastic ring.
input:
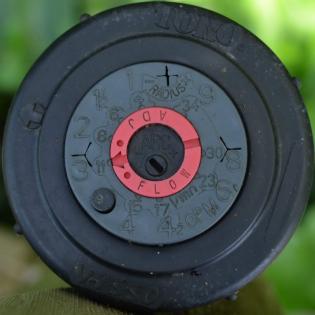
(149, 116)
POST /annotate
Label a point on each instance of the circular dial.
(156, 152)
(191, 210)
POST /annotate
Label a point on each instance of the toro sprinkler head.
(158, 157)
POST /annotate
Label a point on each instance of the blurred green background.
(287, 26)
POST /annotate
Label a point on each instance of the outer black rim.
(267, 229)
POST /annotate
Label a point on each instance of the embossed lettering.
(195, 24)
(146, 116)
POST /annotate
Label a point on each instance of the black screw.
(156, 165)
(103, 200)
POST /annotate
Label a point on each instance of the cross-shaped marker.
(167, 76)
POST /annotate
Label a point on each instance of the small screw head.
(156, 165)
(103, 200)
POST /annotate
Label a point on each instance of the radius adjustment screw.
(103, 200)
(156, 165)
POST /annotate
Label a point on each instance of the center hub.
(156, 152)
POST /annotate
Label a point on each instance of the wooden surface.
(255, 299)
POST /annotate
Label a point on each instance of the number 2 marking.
(84, 125)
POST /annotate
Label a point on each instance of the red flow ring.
(146, 117)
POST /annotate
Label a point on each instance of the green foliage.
(293, 272)
(26, 28)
